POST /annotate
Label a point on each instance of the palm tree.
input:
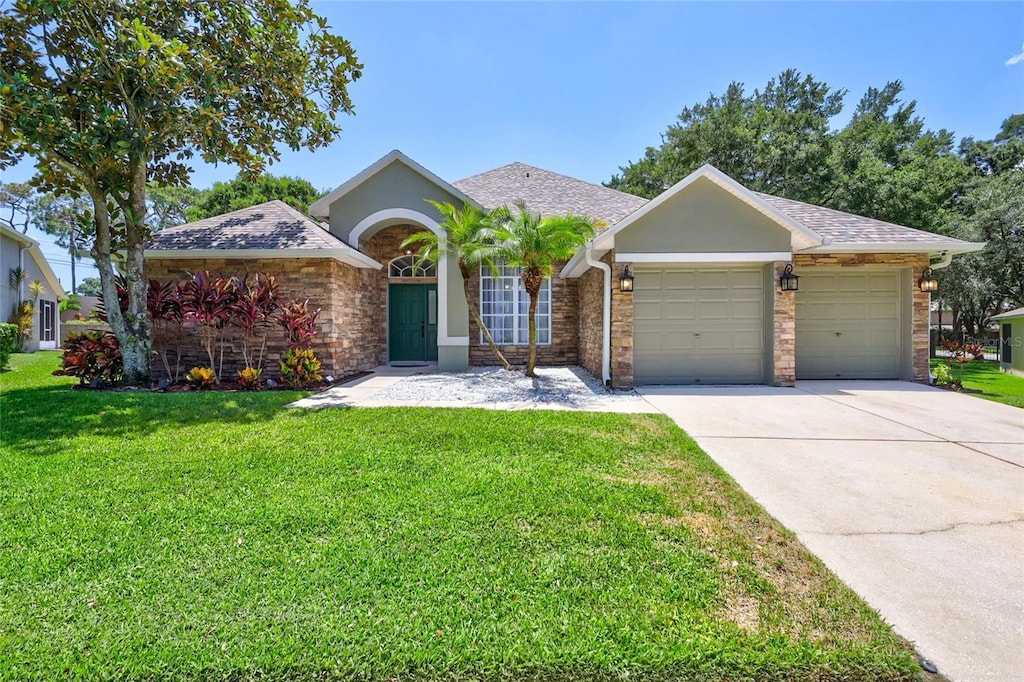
(535, 244)
(468, 238)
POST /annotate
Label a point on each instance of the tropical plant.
(206, 300)
(300, 367)
(943, 375)
(108, 95)
(163, 304)
(16, 277)
(469, 238)
(22, 319)
(72, 302)
(254, 302)
(36, 289)
(298, 322)
(201, 377)
(90, 356)
(249, 378)
(9, 334)
(526, 240)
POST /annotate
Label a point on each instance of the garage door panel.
(848, 325)
(699, 325)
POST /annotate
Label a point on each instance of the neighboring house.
(21, 251)
(705, 308)
(1011, 340)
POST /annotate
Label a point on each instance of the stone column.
(622, 331)
(784, 338)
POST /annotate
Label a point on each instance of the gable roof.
(848, 228)
(548, 193)
(802, 237)
(1010, 314)
(321, 207)
(269, 230)
(52, 281)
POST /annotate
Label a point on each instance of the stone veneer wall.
(784, 331)
(622, 329)
(564, 347)
(921, 299)
(339, 290)
(590, 289)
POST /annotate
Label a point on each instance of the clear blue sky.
(582, 88)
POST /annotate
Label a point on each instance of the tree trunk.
(74, 282)
(532, 282)
(474, 312)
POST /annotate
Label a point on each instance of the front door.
(412, 322)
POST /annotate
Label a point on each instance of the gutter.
(606, 317)
(945, 258)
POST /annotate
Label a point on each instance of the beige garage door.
(848, 325)
(698, 325)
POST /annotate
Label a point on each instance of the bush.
(8, 342)
(201, 377)
(92, 355)
(300, 367)
(249, 378)
(943, 375)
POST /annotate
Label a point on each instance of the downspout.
(606, 317)
(945, 258)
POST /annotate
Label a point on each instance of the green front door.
(412, 322)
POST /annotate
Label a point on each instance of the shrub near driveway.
(219, 536)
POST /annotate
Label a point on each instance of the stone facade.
(622, 329)
(339, 290)
(921, 299)
(564, 347)
(590, 289)
(784, 332)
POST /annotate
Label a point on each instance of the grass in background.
(219, 536)
(985, 376)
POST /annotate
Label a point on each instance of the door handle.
(423, 330)
(838, 334)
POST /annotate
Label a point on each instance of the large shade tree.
(107, 96)
(243, 192)
(535, 244)
(470, 240)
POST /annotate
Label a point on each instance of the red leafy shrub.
(254, 302)
(299, 322)
(207, 301)
(91, 355)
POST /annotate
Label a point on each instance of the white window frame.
(418, 267)
(494, 282)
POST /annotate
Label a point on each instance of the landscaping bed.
(219, 536)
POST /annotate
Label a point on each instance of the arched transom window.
(411, 266)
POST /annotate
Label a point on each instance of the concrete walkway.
(912, 495)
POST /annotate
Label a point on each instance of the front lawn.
(219, 536)
(985, 376)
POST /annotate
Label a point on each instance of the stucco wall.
(703, 218)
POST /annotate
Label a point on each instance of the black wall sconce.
(928, 282)
(788, 281)
(626, 281)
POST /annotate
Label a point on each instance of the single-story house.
(707, 258)
(21, 251)
(1011, 340)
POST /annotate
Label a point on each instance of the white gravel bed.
(568, 386)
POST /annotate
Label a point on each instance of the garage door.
(848, 325)
(698, 325)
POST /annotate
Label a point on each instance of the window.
(504, 304)
(411, 266)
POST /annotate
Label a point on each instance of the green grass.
(219, 536)
(985, 375)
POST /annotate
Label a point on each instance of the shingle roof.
(271, 225)
(1016, 312)
(850, 228)
(548, 193)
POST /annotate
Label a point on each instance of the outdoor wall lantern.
(928, 281)
(788, 281)
(626, 281)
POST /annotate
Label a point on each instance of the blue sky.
(582, 88)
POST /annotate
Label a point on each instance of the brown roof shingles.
(850, 228)
(271, 225)
(548, 193)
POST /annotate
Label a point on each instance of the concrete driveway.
(912, 495)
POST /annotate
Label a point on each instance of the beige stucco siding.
(703, 218)
(394, 186)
